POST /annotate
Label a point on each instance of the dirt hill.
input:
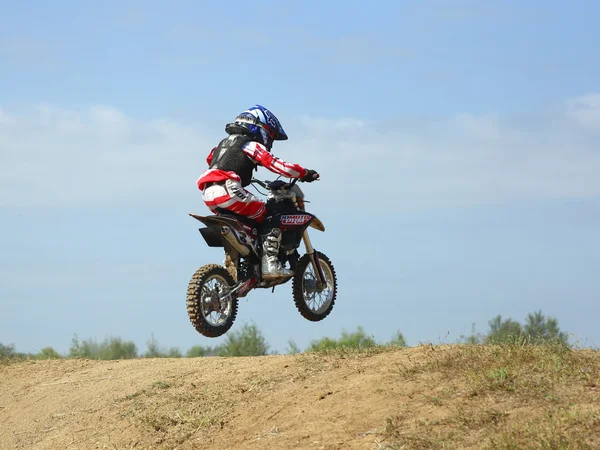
(424, 397)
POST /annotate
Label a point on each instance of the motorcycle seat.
(243, 219)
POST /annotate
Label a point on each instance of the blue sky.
(457, 142)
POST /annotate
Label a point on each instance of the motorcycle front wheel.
(314, 304)
(210, 306)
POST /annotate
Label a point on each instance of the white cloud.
(585, 110)
(458, 161)
(58, 157)
(480, 126)
(5, 119)
(61, 157)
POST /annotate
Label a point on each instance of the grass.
(326, 359)
(565, 427)
(152, 390)
(502, 397)
(161, 385)
(176, 412)
(6, 360)
(193, 421)
(346, 351)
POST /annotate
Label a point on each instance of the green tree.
(398, 340)
(153, 349)
(111, 348)
(174, 352)
(504, 331)
(88, 348)
(356, 339)
(292, 348)
(7, 351)
(198, 351)
(474, 338)
(48, 353)
(248, 341)
(117, 348)
(540, 329)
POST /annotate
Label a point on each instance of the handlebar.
(261, 183)
(266, 186)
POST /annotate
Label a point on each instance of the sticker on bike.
(295, 219)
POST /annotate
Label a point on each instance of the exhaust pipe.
(231, 237)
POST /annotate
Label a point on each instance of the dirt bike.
(214, 290)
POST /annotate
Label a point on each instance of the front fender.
(317, 224)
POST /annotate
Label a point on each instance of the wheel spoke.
(215, 311)
(210, 305)
(315, 300)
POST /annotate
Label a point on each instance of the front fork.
(321, 282)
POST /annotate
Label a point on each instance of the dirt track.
(343, 401)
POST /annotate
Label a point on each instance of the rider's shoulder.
(255, 146)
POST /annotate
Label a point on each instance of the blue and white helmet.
(263, 124)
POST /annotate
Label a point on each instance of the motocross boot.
(271, 266)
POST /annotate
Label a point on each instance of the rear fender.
(217, 220)
(212, 237)
(227, 229)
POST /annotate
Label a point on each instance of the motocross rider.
(230, 167)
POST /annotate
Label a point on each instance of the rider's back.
(229, 157)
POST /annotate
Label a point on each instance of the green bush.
(537, 330)
(110, 348)
(356, 339)
(48, 353)
(248, 341)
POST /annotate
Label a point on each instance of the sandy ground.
(276, 402)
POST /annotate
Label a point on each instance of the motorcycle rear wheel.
(211, 316)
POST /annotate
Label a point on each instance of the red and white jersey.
(259, 154)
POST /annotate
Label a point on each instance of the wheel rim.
(317, 301)
(214, 310)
